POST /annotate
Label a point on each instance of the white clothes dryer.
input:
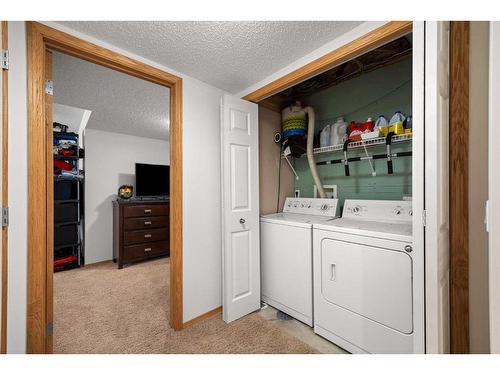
(363, 278)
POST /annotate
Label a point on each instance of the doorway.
(41, 39)
(111, 179)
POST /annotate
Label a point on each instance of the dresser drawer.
(145, 222)
(141, 210)
(145, 250)
(147, 235)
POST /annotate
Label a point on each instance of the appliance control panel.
(312, 206)
(376, 210)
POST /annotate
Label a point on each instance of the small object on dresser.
(125, 191)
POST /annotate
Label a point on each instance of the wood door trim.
(40, 38)
(208, 314)
(49, 104)
(459, 187)
(5, 196)
(390, 31)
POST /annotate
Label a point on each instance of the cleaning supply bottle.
(324, 137)
(396, 123)
(382, 125)
(408, 125)
(338, 131)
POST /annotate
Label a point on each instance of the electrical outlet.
(297, 193)
(331, 191)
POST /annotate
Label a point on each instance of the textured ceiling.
(119, 103)
(229, 55)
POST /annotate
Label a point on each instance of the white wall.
(201, 182)
(18, 191)
(109, 163)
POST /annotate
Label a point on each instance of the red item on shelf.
(369, 125)
(67, 152)
(60, 264)
(62, 261)
(63, 165)
(355, 129)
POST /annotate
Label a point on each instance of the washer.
(363, 278)
(286, 254)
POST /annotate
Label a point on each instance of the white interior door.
(240, 208)
(436, 187)
(493, 188)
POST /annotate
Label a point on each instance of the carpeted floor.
(100, 309)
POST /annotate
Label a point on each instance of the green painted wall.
(379, 92)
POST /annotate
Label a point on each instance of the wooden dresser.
(140, 230)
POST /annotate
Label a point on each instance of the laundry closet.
(378, 83)
(350, 233)
(336, 203)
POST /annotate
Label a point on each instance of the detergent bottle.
(324, 137)
(337, 131)
(382, 125)
(408, 125)
(396, 123)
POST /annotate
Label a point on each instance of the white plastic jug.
(338, 131)
(324, 137)
(397, 118)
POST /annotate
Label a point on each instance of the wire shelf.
(363, 143)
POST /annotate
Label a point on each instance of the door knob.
(242, 221)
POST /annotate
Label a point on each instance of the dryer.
(286, 254)
(364, 279)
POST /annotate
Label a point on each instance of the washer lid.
(300, 220)
(397, 231)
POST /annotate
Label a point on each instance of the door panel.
(241, 270)
(351, 278)
(240, 177)
(240, 208)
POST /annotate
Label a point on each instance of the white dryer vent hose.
(310, 156)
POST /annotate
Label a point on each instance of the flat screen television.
(152, 180)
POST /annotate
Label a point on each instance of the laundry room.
(336, 186)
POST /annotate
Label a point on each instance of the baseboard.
(204, 316)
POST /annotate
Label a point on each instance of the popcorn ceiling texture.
(227, 55)
(119, 102)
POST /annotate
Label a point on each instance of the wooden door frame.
(459, 187)
(41, 38)
(5, 197)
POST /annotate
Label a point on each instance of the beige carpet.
(100, 309)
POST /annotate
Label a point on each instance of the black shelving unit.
(69, 244)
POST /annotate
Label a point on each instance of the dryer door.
(373, 282)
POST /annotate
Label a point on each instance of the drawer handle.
(147, 249)
(147, 211)
(147, 236)
(147, 223)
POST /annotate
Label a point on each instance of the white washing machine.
(286, 254)
(363, 278)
